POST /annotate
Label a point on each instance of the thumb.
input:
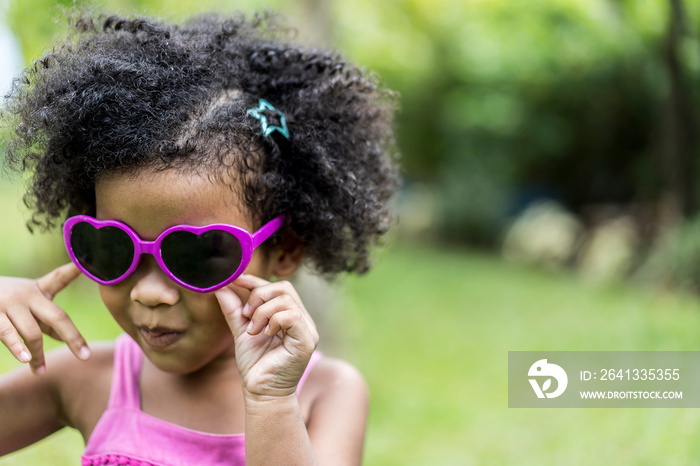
(232, 308)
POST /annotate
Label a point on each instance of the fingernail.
(84, 353)
(250, 327)
(24, 356)
(246, 310)
(267, 330)
(40, 370)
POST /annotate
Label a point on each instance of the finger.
(250, 282)
(270, 291)
(261, 316)
(294, 326)
(231, 306)
(11, 339)
(46, 330)
(30, 332)
(274, 290)
(52, 316)
(265, 311)
(58, 279)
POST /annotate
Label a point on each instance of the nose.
(152, 287)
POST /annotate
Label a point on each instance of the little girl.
(193, 164)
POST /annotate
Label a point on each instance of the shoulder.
(338, 415)
(82, 386)
(70, 393)
(64, 370)
(62, 367)
(335, 385)
(331, 374)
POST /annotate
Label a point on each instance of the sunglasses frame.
(248, 241)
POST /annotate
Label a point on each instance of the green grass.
(431, 330)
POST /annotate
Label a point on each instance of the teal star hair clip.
(267, 128)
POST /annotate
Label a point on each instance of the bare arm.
(275, 337)
(338, 417)
(276, 434)
(30, 408)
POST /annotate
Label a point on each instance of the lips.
(160, 337)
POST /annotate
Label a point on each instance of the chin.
(178, 359)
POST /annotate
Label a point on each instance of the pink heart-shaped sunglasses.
(199, 258)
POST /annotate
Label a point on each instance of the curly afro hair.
(123, 93)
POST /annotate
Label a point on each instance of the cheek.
(205, 318)
(203, 307)
(260, 265)
(116, 299)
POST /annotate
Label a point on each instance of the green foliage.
(504, 96)
(22, 253)
(38, 23)
(473, 196)
(498, 97)
(675, 259)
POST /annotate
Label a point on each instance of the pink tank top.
(125, 435)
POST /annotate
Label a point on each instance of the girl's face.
(179, 330)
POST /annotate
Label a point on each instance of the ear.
(287, 260)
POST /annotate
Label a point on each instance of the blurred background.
(550, 202)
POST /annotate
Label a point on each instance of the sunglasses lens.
(105, 253)
(204, 260)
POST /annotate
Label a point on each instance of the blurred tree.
(505, 102)
(679, 131)
(584, 101)
(37, 23)
(316, 21)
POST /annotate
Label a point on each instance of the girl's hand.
(27, 310)
(274, 335)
